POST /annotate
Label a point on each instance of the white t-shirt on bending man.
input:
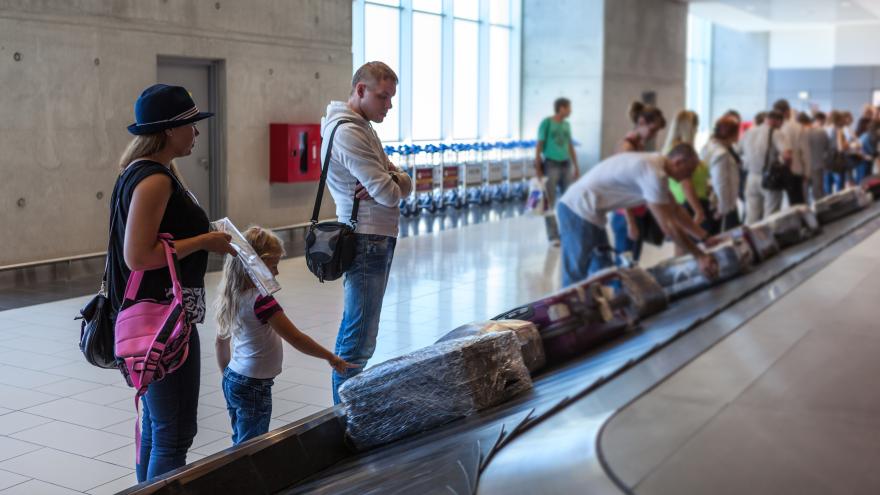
(624, 180)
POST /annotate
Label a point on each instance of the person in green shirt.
(692, 193)
(555, 158)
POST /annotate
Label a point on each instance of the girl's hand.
(340, 365)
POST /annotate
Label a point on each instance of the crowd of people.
(650, 195)
(688, 196)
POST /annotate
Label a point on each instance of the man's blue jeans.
(622, 242)
(249, 403)
(169, 410)
(585, 247)
(364, 288)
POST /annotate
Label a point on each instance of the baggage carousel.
(546, 440)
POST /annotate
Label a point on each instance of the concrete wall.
(645, 50)
(66, 103)
(562, 55)
(739, 72)
(602, 54)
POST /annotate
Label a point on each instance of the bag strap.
(317, 209)
(769, 146)
(134, 280)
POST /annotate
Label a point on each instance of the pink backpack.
(152, 337)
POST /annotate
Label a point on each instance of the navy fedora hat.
(162, 107)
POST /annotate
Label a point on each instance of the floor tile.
(18, 398)
(74, 439)
(68, 386)
(106, 395)
(205, 436)
(10, 448)
(8, 479)
(299, 414)
(214, 447)
(123, 456)
(17, 421)
(37, 487)
(307, 394)
(115, 486)
(219, 422)
(31, 360)
(81, 413)
(84, 371)
(123, 428)
(40, 346)
(67, 470)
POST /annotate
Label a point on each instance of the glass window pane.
(428, 5)
(426, 76)
(499, 82)
(382, 42)
(394, 3)
(499, 12)
(465, 74)
(467, 9)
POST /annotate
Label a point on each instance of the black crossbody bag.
(775, 174)
(330, 246)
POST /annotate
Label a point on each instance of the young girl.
(256, 324)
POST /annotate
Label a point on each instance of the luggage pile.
(483, 364)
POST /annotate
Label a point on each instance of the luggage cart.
(496, 178)
(473, 174)
(453, 194)
(424, 179)
(435, 158)
(527, 159)
(409, 205)
(514, 173)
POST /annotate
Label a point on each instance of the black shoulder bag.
(96, 336)
(330, 246)
(774, 175)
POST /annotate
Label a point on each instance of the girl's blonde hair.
(235, 280)
(684, 129)
(146, 145)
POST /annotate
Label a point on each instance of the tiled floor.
(786, 404)
(67, 427)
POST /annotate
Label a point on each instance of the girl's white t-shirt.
(625, 180)
(257, 350)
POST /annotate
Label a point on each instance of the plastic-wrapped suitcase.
(840, 204)
(574, 320)
(645, 294)
(681, 276)
(758, 237)
(871, 184)
(791, 226)
(432, 386)
(530, 340)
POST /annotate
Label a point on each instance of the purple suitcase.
(575, 320)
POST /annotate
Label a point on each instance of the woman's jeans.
(585, 247)
(169, 417)
(622, 242)
(364, 288)
(249, 403)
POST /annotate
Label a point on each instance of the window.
(699, 73)
(458, 64)
(382, 42)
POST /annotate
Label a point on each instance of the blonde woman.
(150, 197)
(692, 193)
(255, 325)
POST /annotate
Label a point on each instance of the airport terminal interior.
(439, 246)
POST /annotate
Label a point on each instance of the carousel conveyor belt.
(543, 441)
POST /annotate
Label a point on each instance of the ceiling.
(766, 15)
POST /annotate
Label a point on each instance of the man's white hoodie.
(357, 156)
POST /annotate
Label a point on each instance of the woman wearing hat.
(151, 197)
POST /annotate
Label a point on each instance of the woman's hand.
(218, 242)
(340, 365)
